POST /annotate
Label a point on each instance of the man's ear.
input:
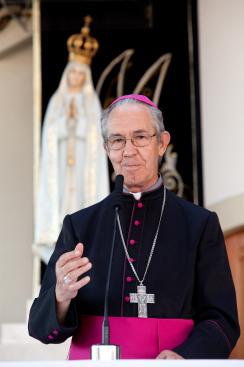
(106, 148)
(164, 142)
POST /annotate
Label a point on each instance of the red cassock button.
(55, 332)
(140, 205)
(129, 279)
(137, 223)
(50, 337)
(127, 299)
(132, 242)
(131, 260)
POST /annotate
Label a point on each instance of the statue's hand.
(72, 109)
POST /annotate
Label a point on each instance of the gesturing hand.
(69, 267)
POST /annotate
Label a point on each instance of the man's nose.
(130, 148)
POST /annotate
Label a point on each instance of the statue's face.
(76, 77)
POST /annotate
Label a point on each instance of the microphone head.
(119, 181)
(118, 190)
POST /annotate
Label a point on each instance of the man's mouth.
(131, 167)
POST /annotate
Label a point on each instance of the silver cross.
(142, 298)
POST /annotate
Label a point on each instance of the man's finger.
(77, 252)
(81, 283)
(76, 273)
(73, 264)
(79, 249)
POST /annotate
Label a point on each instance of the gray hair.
(156, 115)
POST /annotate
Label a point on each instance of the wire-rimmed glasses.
(118, 142)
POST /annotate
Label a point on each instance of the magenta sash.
(138, 338)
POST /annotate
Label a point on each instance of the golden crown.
(81, 46)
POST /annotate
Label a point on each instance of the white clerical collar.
(137, 195)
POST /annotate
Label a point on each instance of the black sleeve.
(43, 324)
(216, 327)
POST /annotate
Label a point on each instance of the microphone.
(107, 351)
(119, 181)
(117, 193)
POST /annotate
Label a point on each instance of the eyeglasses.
(118, 142)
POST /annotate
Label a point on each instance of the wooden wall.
(235, 249)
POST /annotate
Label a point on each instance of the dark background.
(152, 28)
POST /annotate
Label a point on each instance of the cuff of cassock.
(58, 333)
(44, 325)
(205, 342)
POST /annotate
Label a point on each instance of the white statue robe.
(66, 188)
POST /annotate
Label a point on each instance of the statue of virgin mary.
(73, 166)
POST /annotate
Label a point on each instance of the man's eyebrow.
(140, 131)
(115, 134)
(133, 132)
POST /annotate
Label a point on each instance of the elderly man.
(169, 253)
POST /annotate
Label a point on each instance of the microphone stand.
(107, 351)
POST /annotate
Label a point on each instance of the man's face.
(138, 165)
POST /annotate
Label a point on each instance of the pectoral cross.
(142, 298)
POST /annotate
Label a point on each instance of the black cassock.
(189, 272)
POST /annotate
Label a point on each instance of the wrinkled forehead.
(130, 118)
